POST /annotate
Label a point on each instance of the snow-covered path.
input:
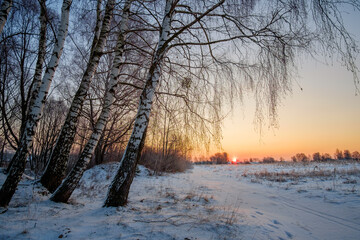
(207, 202)
(270, 212)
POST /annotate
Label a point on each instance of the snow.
(206, 202)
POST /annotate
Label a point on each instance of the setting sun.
(234, 160)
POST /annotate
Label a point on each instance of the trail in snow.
(275, 213)
(207, 202)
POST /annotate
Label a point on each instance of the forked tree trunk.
(64, 191)
(38, 99)
(56, 168)
(4, 12)
(120, 186)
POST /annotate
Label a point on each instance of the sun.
(234, 160)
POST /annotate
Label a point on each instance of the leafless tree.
(56, 168)
(18, 55)
(4, 12)
(64, 191)
(37, 100)
(347, 154)
(119, 188)
(339, 154)
(317, 157)
(264, 38)
(355, 155)
(47, 131)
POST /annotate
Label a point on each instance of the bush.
(326, 157)
(355, 156)
(172, 162)
(317, 157)
(300, 157)
(268, 160)
(220, 158)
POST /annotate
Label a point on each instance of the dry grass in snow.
(270, 201)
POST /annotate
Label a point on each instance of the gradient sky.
(324, 116)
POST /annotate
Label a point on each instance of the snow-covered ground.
(273, 201)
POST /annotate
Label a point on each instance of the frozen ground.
(208, 202)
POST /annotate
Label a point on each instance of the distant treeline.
(222, 158)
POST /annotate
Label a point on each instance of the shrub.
(338, 154)
(171, 162)
(300, 157)
(355, 156)
(268, 160)
(347, 155)
(317, 157)
(220, 158)
(326, 157)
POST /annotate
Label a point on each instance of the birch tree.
(56, 168)
(18, 57)
(36, 83)
(263, 37)
(37, 102)
(64, 191)
(4, 12)
(119, 188)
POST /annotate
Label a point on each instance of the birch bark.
(119, 188)
(39, 65)
(38, 100)
(4, 12)
(64, 191)
(56, 168)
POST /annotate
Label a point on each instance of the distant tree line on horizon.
(318, 157)
(222, 158)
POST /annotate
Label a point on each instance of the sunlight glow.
(234, 160)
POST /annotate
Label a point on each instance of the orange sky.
(322, 117)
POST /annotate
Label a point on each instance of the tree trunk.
(64, 191)
(4, 12)
(120, 186)
(56, 168)
(38, 98)
(98, 154)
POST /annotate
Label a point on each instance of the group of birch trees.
(157, 68)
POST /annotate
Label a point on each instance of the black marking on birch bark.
(55, 170)
(119, 189)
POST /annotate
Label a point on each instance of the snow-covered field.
(273, 201)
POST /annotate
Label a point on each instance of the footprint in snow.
(276, 222)
(273, 226)
(65, 233)
(260, 213)
(288, 234)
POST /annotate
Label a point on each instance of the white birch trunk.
(39, 63)
(17, 169)
(56, 168)
(64, 191)
(120, 186)
(4, 12)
